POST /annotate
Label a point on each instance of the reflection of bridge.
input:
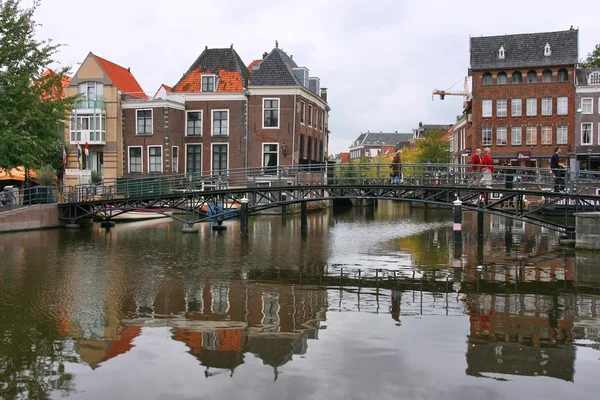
(516, 195)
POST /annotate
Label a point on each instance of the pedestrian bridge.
(516, 192)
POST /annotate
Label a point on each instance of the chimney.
(205, 47)
(265, 54)
(128, 69)
(276, 44)
(292, 56)
(324, 94)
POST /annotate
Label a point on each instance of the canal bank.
(38, 216)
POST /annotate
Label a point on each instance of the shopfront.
(589, 162)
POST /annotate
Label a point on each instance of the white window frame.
(137, 125)
(545, 129)
(527, 141)
(215, 83)
(591, 124)
(513, 129)
(322, 121)
(591, 111)
(186, 155)
(161, 158)
(513, 103)
(212, 123)
(129, 159)
(310, 115)
(565, 103)
(484, 142)
(278, 112)
(529, 111)
(212, 145)
(263, 153)
(501, 112)
(201, 122)
(175, 165)
(487, 105)
(546, 110)
(498, 142)
(559, 128)
(594, 76)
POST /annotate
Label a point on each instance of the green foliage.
(45, 175)
(96, 177)
(433, 148)
(593, 59)
(31, 103)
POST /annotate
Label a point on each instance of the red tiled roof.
(253, 64)
(124, 343)
(344, 157)
(448, 133)
(167, 88)
(122, 78)
(229, 81)
(66, 80)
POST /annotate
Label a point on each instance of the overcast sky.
(380, 60)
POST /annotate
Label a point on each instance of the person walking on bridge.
(396, 168)
(487, 168)
(476, 168)
(558, 169)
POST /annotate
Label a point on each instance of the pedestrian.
(476, 168)
(396, 167)
(487, 168)
(558, 169)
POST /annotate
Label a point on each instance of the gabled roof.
(275, 70)
(583, 74)
(122, 78)
(253, 64)
(381, 139)
(524, 50)
(66, 80)
(225, 63)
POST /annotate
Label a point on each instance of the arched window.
(487, 78)
(531, 77)
(563, 75)
(517, 77)
(595, 78)
(547, 76)
(501, 78)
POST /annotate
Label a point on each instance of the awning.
(16, 174)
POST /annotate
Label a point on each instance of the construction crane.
(443, 93)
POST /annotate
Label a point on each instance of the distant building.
(372, 144)
(423, 129)
(587, 126)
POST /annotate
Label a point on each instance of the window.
(561, 134)
(531, 107)
(546, 135)
(547, 50)
(563, 75)
(587, 106)
(322, 127)
(531, 135)
(135, 160)
(501, 136)
(194, 123)
(154, 159)
(486, 136)
(501, 108)
(562, 106)
(91, 94)
(302, 112)
(310, 115)
(532, 77)
(546, 105)
(208, 83)
(594, 78)
(308, 148)
(270, 309)
(516, 107)
(175, 159)
(515, 136)
(316, 118)
(501, 78)
(220, 302)
(270, 157)
(487, 79)
(220, 122)
(517, 77)
(301, 146)
(547, 76)
(193, 158)
(270, 113)
(501, 53)
(219, 158)
(586, 133)
(486, 108)
(144, 122)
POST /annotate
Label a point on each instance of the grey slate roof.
(524, 50)
(215, 60)
(275, 70)
(582, 76)
(381, 139)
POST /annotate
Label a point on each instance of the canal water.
(365, 303)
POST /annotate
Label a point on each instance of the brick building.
(524, 95)
(587, 128)
(372, 144)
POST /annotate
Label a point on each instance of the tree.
(593, 59)
(433, 148)
(31, 102)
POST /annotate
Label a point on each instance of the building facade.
(587, 101)
(524, 95)
(372, 144)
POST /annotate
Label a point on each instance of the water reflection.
(74, 304)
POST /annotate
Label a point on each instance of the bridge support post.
(304, 215)
(283, 208)
(457, 221)
(480, 222)
(244, 218)
(189, 228)
(107, 223)
(72, 224)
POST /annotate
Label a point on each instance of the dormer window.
(209, 83)
(594, 78)
(547, 50)
(501, 53)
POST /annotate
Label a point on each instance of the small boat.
(222, 211)
(136, 215)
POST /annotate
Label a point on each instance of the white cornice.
(288, 90)
(208, 96)
(136, 104)
(588, 89)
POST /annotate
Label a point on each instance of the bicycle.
(545, 180)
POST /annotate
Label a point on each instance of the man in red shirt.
(487, 168)
(476, 168)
